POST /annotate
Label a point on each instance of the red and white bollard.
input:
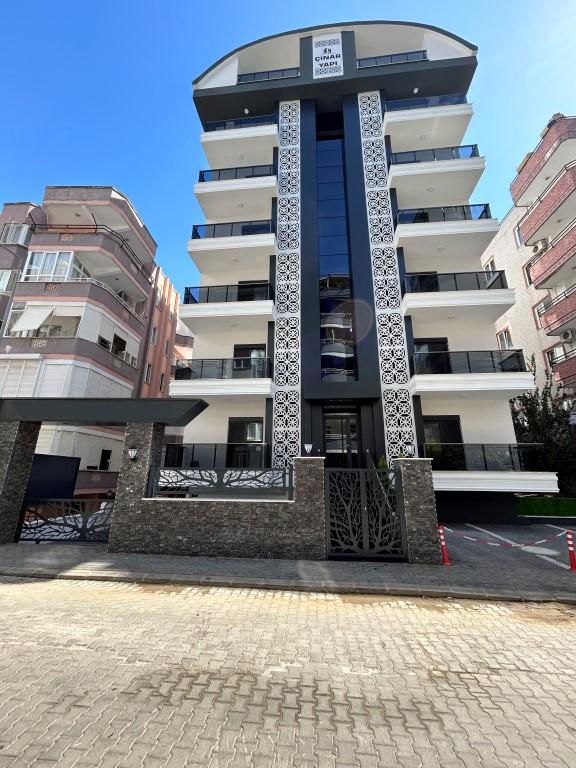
(445, 560)
(571, 555)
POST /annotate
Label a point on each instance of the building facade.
(342, 308)
(543, 253)
(86, 313)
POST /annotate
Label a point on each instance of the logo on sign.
(327, 53)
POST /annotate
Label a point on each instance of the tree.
(542, 416)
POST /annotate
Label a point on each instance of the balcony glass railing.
(271, 74)
(212, 455)
(228, 368)
(551, 302)
(230, 174)
(430, 155)
(425, 101)
(454, 281)
(232, 229)
(392, 58)
(492, 361)
(218, 293)
(240, 122)
(444, 213)
(495, 457)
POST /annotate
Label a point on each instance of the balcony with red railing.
(553, 210)
(556, 261)
(559, 313)
(564, 368)
(547, 156)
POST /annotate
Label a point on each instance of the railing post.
(416, 506)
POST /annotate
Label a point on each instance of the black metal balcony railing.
(392, 58)
(444, 213)
(232, 229)
(552, 301)
(93, 229)
(425, 101)
(204, 294)
(429, 155)
(233, 483)
(562, 358)
(496, 457)
(492, 361)
(454, 281)
(240, 122)
(231, 174)
(209, 455)
(271, 74)
(228, 368)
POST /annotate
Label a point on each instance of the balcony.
(220, 192)
(231, 376)
(72, 346)
(494, 373)
(556, 263)
(471, 297)
(238, 245)
(564, 368)
(427, 176)
(240, 141)
(557, 147)
(558, 314)
(553, 210)
(271, 74)
(482, 457)
(217, 455)
(426, 122)
(43, 287)
(441, 235)
(392, 58)
(211, 308)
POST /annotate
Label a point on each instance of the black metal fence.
(227, 482)
(66, 520)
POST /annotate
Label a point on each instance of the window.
(158, 296)
(104, 343)
(527, 274)
(154, 335)
(4, 279)
(105, 456)
(166, 346)
(537, 311)
(48, 265)
(518, 236)
(148, 375)
(16, 234)
(161, 382)
(490, 266)
(505, 339)
(553, 354)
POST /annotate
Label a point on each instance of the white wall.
(215, 345)
(462, 336)
(96, 323)
(66, 378)
(481, 421)
(211, 426)
(233, 277)
(84, 443)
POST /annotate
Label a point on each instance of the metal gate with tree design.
(361, 516)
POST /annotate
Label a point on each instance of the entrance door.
(341, 437)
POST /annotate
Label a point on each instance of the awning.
(32, 318)
(67, 310)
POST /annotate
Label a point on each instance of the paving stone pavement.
(120, 675)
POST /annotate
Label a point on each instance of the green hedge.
(551, 506)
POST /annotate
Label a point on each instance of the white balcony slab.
(445, 245)
(240, 146)
(429, 127)
(223, 387)
(438, 182)
(237, 199)
(242, 253)
(511, 482)
(469, 307)
(218, 316)
(482, 385)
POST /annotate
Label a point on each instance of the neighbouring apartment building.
(536, 246)
(86, 313)
(342, 308)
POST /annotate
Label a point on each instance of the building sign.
(327, 56)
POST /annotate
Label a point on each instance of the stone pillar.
(133, 479)
(309, 495)
(17, 446)
(416, 505)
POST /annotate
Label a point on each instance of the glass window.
(331, 208)
(331, 191)
(148, 376)
(330, 174)
(332, 226)
(553, 354)
(4, 279)
(153, 335)
(14, 233)
(47, 265)
(161, 382)
(505, 339)
(335, 245)
(518, 236)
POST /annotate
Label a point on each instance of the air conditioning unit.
(540, 247)
(568, 335)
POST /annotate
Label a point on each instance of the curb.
(460, 593)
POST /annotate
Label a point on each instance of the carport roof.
(101, 410)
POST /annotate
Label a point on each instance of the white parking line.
(518, 546)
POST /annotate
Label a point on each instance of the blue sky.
(101, 93)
